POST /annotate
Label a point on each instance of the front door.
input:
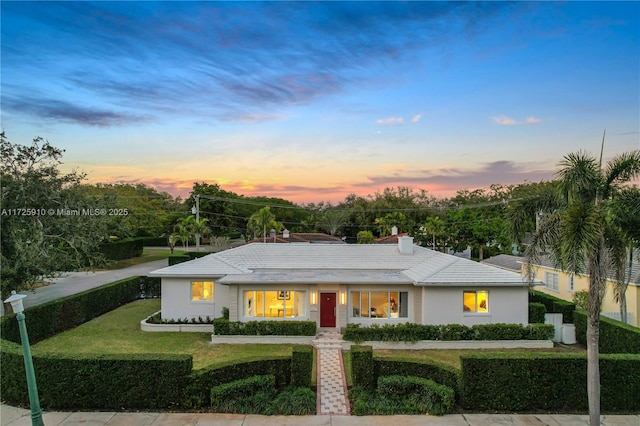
(327, 309)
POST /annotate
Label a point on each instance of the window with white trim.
(274, 303)
(202, 291)
(475, 301)
(570, 283)
(379, 304)
(551, 281)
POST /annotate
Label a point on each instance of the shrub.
(245, 396)
(122, 249)
(428, 369)
(223, 327)
(301, 366)
(225, 313)
(174, 259)
(150, 287)
(536, 313)
(581, 299)
(615, 336)
(293, 401)
(63, 314)
(362, 366)
(155, 241)
(528, 382)
(554, 305)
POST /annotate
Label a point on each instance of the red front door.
(327, 309)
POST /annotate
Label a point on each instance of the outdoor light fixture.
(314, 298)
(16, 304)
(343, 298)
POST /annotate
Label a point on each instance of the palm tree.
(578, 232)
(332, 220)
(260, 221)
(434, 227)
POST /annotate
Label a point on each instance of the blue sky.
(314, 101)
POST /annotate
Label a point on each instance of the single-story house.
(338, 284)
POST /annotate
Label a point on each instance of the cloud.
(416, 118)
(504, 120)
(390, 121)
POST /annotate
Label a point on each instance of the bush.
(615, 337)
(536, 313)
(123, 249)
(362, 366)
(223, 327)
(174, 259)
(301, 366)
(97, 381)
(155, 241)
(293, 402)
(529, 382)
(428, 369)
(408, 332)
(554, 305)
(63, 314)
(246, 396)
(404, 395)
(150, 287)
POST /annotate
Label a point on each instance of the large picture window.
(379, 304)
(202, 291)
(476, 301)
(274, 304)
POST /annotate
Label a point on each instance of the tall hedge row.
(616, 337)
(53, 317)
(301, 365)
(123, 249)
(149, 381)
(554, 305)
(362, 373)
(527, 382)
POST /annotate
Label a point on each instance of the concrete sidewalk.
(12, 416)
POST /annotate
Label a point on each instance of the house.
(564, 285)
(338, 284)
(298, 237)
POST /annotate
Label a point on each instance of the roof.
(340, 263)
(546, 262)
(300, 237)
(390, 239)
(505, 261)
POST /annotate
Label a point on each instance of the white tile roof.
(340, 263)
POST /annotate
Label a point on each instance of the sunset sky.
(313, 101)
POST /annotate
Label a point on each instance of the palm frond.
(579, 176)
(621, 169)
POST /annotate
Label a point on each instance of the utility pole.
(197, 197)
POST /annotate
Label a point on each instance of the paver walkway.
(332, 385)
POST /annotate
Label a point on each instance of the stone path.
(332, 384)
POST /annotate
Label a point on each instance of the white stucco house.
(338, 284)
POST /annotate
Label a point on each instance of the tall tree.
(49, 224)
(580, 236)
(260, 221)
(434, 226)
(332, 220)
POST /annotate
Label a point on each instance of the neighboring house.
(337, 284)
(564, 285)
(299, 237)
(391, 239)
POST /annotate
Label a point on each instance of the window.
(551, 281)
(475, 301)
(570, 284)
(202, 291)
(379, 304)
(274, 304)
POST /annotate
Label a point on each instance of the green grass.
(148, 255)
(118, 332)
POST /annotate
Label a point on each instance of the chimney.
(405, 244)
(285, 233)
(394, 230)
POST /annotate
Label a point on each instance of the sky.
(313, 101)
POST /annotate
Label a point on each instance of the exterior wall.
(610, 307)
(444, 305)
(176, 300)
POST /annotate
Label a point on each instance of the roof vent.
(405, 244)
(394, 230)
(285, 233)
(272, 233)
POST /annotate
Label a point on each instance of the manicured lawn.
(119, 332)
(148, 255)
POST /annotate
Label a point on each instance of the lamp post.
(34, 401)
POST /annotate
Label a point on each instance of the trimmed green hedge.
(425, 368)
(528, 382)
(413, 332)
(246, 396)
(223, 327)
(198, 393)
(63, 314)
(174, 259)
(615, 337)
(362, 373)
(149, 381)
(155, 241)
(123, 249)
(536, 313)
(301, 366)
(554, 305)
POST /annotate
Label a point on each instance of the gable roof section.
(546, 262)
(340, 263)
(505, 261)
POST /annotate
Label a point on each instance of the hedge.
(64, 314)
(174, 259)
(615, 336)
(362, 373)
(528, 382)
(223, 327)
(149, 381)
(554, 305)
(123, 249)
(155, 241)
(413, 332)
(301, 366)
(536, 313)
(245, 396)
(428, 369)
(197, 394)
